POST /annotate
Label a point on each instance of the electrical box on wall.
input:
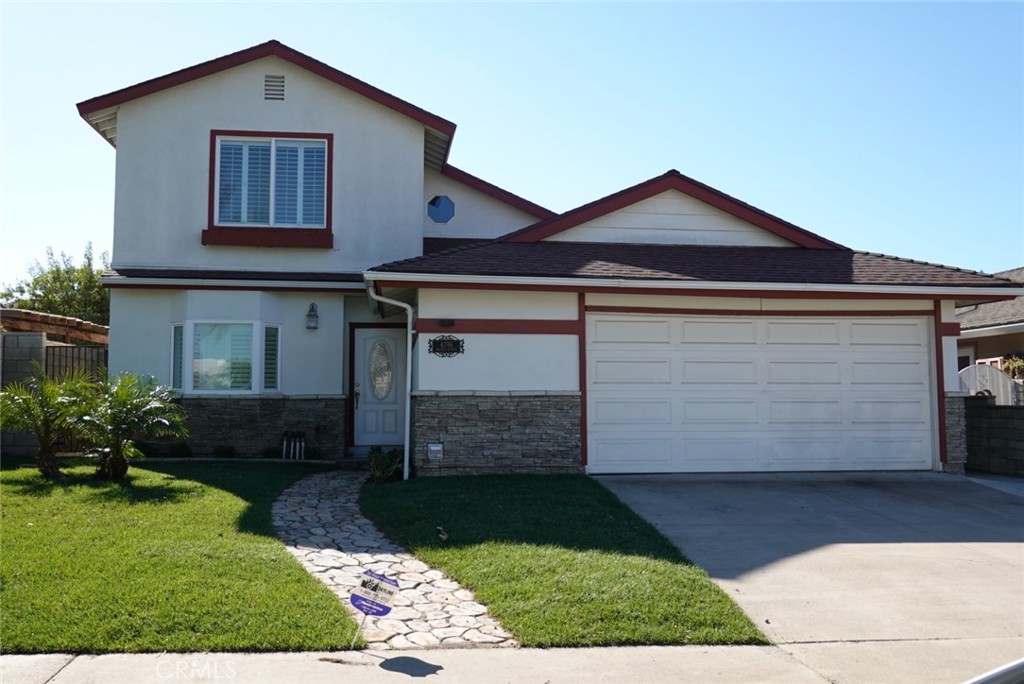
(435, 452)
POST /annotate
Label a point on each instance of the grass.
(559, 560)
(180, 557)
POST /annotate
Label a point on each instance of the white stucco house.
(292, 252)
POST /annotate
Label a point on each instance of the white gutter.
(963, 292)
(409, 320)
(1007, 329)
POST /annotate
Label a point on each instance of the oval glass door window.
(382, 374)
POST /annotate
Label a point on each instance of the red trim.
(940, 380)
(320, 238)
(581, 332)
(350, 407)
(948, 329)
(741, 312)
(498, 326)
(672, 180)
(497, 193)
(761, 294)
(271, 48)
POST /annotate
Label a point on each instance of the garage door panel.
(700, 411)
(889, 373)
(631, 410)
(706, 394)
(721, 453)
(795, 372)
(631, 331)
(650, 453)
(633, 371)
(719, 371)
(719, 332)
(801, 332)
(813, 411)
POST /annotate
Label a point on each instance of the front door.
(379, 386)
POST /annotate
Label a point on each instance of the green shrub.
(225, 451)
(385, 466)
(180, 450)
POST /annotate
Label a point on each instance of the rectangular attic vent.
(273, 87)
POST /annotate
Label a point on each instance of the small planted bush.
(385, 466)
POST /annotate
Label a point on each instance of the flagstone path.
(319, 521)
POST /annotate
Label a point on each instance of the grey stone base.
(496, 432)
(956, 435)
(253, 426)
(995, 437)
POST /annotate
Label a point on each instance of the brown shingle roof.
(688, 262)
(995, 313)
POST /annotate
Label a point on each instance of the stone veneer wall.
(956, 434)
(252, 425)
(995, 437)
(497, 432)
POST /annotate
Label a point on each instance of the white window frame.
(273, 141)
(257, 366)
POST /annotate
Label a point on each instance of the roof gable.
(101, 112)
(673, 181)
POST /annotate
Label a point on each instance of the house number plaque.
(446, 346)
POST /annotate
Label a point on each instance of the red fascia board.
(269, 237)
(672, 180)
(271, 48)
(494, 191)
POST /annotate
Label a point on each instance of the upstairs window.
(271, 182)
(270, 189)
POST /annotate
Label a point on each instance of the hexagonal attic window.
(440, 209)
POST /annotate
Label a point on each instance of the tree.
(60, 287)
(123, 410)
(47, 408)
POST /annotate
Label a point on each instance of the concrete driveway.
(861, 577)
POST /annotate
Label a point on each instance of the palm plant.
(126, 409)
(45, 407)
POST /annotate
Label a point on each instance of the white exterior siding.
(756, 304)
(502, 363)
(477, 215)
(497, 304)
(671, 218)
(311, 361)
(163, 167)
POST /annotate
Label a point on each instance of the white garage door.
(724, 394)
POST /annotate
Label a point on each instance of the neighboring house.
(271, 220)
(992, 331)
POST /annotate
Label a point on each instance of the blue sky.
(895, 128)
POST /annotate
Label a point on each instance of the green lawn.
(559, 560)
(181, 557)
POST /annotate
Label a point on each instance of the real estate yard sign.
(373, 596)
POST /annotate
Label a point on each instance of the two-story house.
(292, 252)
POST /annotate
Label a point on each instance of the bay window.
(222, 357)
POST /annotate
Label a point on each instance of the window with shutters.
(229, 357)
(270, 189)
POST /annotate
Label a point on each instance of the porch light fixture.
(312, 318)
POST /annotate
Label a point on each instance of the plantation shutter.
(314, 184)
(240, 337)
(271, 355)
(178, 348)
(230, 182)
(286, 184)
(258, 183)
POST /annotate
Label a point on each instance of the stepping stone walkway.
(319, 521)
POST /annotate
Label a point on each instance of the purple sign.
(374, 594)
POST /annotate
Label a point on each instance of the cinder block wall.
(20, 352)
(995, 437)
(496, 432)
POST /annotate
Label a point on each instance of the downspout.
(409, 320)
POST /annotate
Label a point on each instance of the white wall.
(477, 215)
(163, 167)
(671, 218)
(502, 363)
(497, 304)
(758, 304)
(311, 361)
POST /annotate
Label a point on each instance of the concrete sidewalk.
(649, 664)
